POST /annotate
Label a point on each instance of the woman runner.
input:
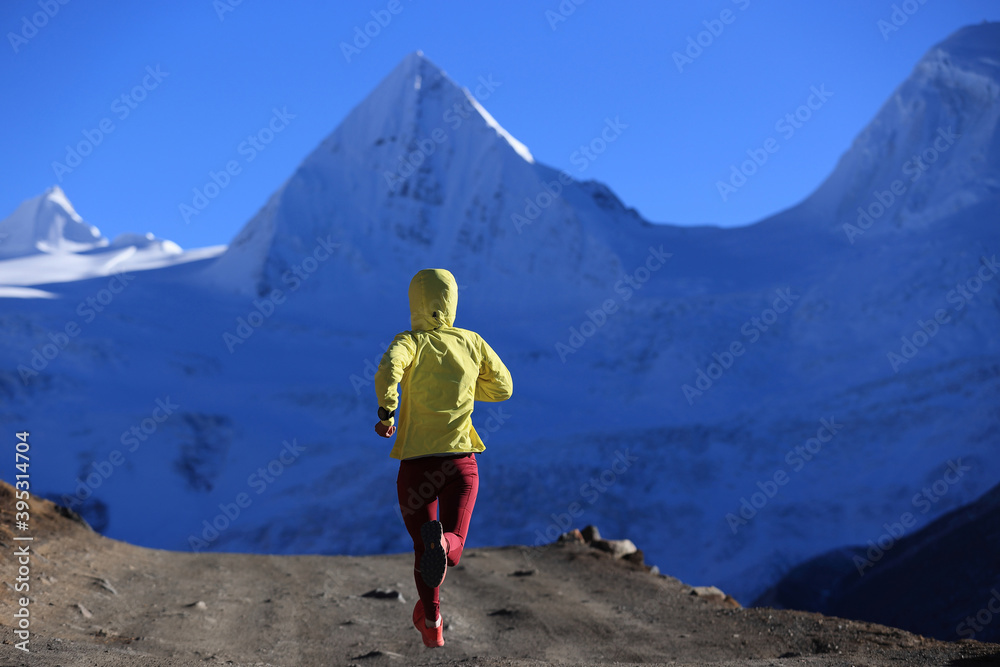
(442, 371)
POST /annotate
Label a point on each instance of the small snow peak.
(56, 196)
(47, 223)
(147, 240)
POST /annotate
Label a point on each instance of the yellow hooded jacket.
(442, 370)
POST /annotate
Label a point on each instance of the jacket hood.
(433, 299)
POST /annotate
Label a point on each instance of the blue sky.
(224, 67)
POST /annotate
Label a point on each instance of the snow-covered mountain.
(935, 137)
(735, 400)
(46, 241)
(47, 223)
(418, 171)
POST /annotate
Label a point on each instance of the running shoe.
(434, 562)
(433, 637)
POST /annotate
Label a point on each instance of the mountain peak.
(415, 60)
(933, 141)
(421, 173)
(416, 98)
(978, 41)
(413, 66)
(47, 223)
(969, 57)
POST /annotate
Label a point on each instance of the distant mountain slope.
(942, 581)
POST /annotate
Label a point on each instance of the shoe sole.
(434, 562)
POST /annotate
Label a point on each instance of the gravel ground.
(96, 601)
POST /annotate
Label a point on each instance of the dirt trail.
(96, 601)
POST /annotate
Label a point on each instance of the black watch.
(385, 415)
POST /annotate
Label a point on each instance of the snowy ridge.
(518, 147)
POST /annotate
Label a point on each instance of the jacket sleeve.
(390, 370)
(494, 382)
